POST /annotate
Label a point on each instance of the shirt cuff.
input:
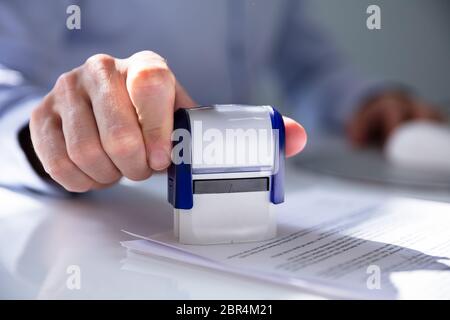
(15, 170)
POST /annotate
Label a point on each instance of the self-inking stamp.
(227, 173)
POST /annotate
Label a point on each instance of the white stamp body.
(227, 173)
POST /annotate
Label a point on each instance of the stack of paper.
(349, 245)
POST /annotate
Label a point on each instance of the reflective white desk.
(41, 237)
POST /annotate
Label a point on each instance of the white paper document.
(349, 245)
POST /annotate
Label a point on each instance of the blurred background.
(412, 46)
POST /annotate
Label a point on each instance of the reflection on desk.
(40, 237)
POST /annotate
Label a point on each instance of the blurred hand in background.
(378, 118)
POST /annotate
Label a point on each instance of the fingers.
(376, 121)
(421, 110)
(109, 118)
(379, 118)
(154, 92)
(392, 114)
(48, 142)
(116, 120)
(360, 127)
(82, 139)
(295, 137)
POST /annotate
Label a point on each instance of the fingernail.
(159, 159)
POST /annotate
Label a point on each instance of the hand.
(378, 118)
(113, 117)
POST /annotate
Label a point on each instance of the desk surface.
(41, 237)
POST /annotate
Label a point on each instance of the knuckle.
(84, 154)
(40, 120)
(148, 54)
(38, 114)
(109, 179)
(58, 167)
(100, 64)
(123, 145)
(153, 77)
(79, 188)
(100, 60)
(43, 109)
(154, 132)
(68, 81)
(139, 175)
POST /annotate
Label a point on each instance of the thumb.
(153, 90)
